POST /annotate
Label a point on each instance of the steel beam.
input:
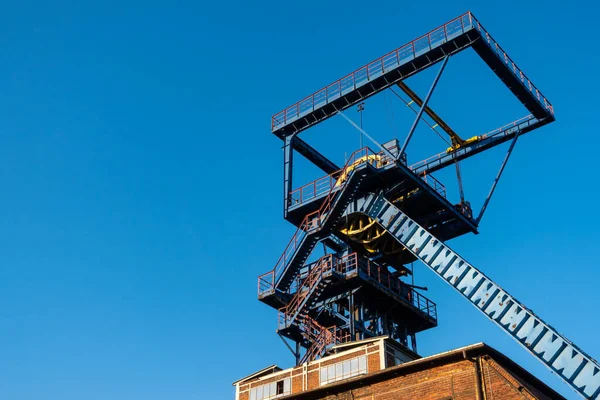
(432, 114)
(423, 107)
(560, 355)
(489, 196)
(312, 155)
(288, 160)
(443, 160)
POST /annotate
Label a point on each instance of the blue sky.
(141, 187)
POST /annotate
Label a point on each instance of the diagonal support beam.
(423, 106)
(558, 353)
(489, 196)
(312, 155)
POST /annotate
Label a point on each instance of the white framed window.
(271, 390)
(343, 370)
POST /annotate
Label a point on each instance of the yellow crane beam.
(457, 141)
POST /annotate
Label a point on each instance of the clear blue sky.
(141, 186)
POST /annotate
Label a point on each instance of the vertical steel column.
(423, 107)
(489, 197)
(297, 354)
(460, 184)
(351, 313)
(414, 341)
(288, 160)
(361, 316)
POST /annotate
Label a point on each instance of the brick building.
(379, 369)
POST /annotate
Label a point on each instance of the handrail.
(382, 276)
(380, 65)
(345, 265)
(342, 265)
(313, 220)
(318, 188)
(298, 196)
(331, 183)
(513, 67)
(321, 337)
(287, 313)
(371, 70)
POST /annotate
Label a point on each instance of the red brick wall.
(500, 384)
(452, 381)
(372, 363)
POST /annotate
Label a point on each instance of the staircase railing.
(382, 276)
(328, 183)
(288, 313)
(315, 219)
(321, 338)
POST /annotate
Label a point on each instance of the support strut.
(489, 196)
(423, 106)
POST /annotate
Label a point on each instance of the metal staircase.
(316, 225)
(302, 285)
(321, 338)
(308, 291)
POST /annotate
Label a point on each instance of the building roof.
(265, 371)
(479, 349)
(357, 343)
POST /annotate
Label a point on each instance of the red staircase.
(321, 338)
(288, 314)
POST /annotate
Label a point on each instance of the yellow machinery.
(363, 230)
(377, 160)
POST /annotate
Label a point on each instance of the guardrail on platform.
(372, 70)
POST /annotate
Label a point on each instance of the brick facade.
(306, 377)
(476, 372)
(453, 381)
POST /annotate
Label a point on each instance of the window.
(343, 370)
(271, 390)
(395, 357)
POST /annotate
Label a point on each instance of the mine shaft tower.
(375, 215)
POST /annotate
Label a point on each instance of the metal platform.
(450, 38)
(425, 197)
(341, 275)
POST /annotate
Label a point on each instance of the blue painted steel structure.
(376, 215)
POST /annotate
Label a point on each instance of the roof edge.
(271, 369)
